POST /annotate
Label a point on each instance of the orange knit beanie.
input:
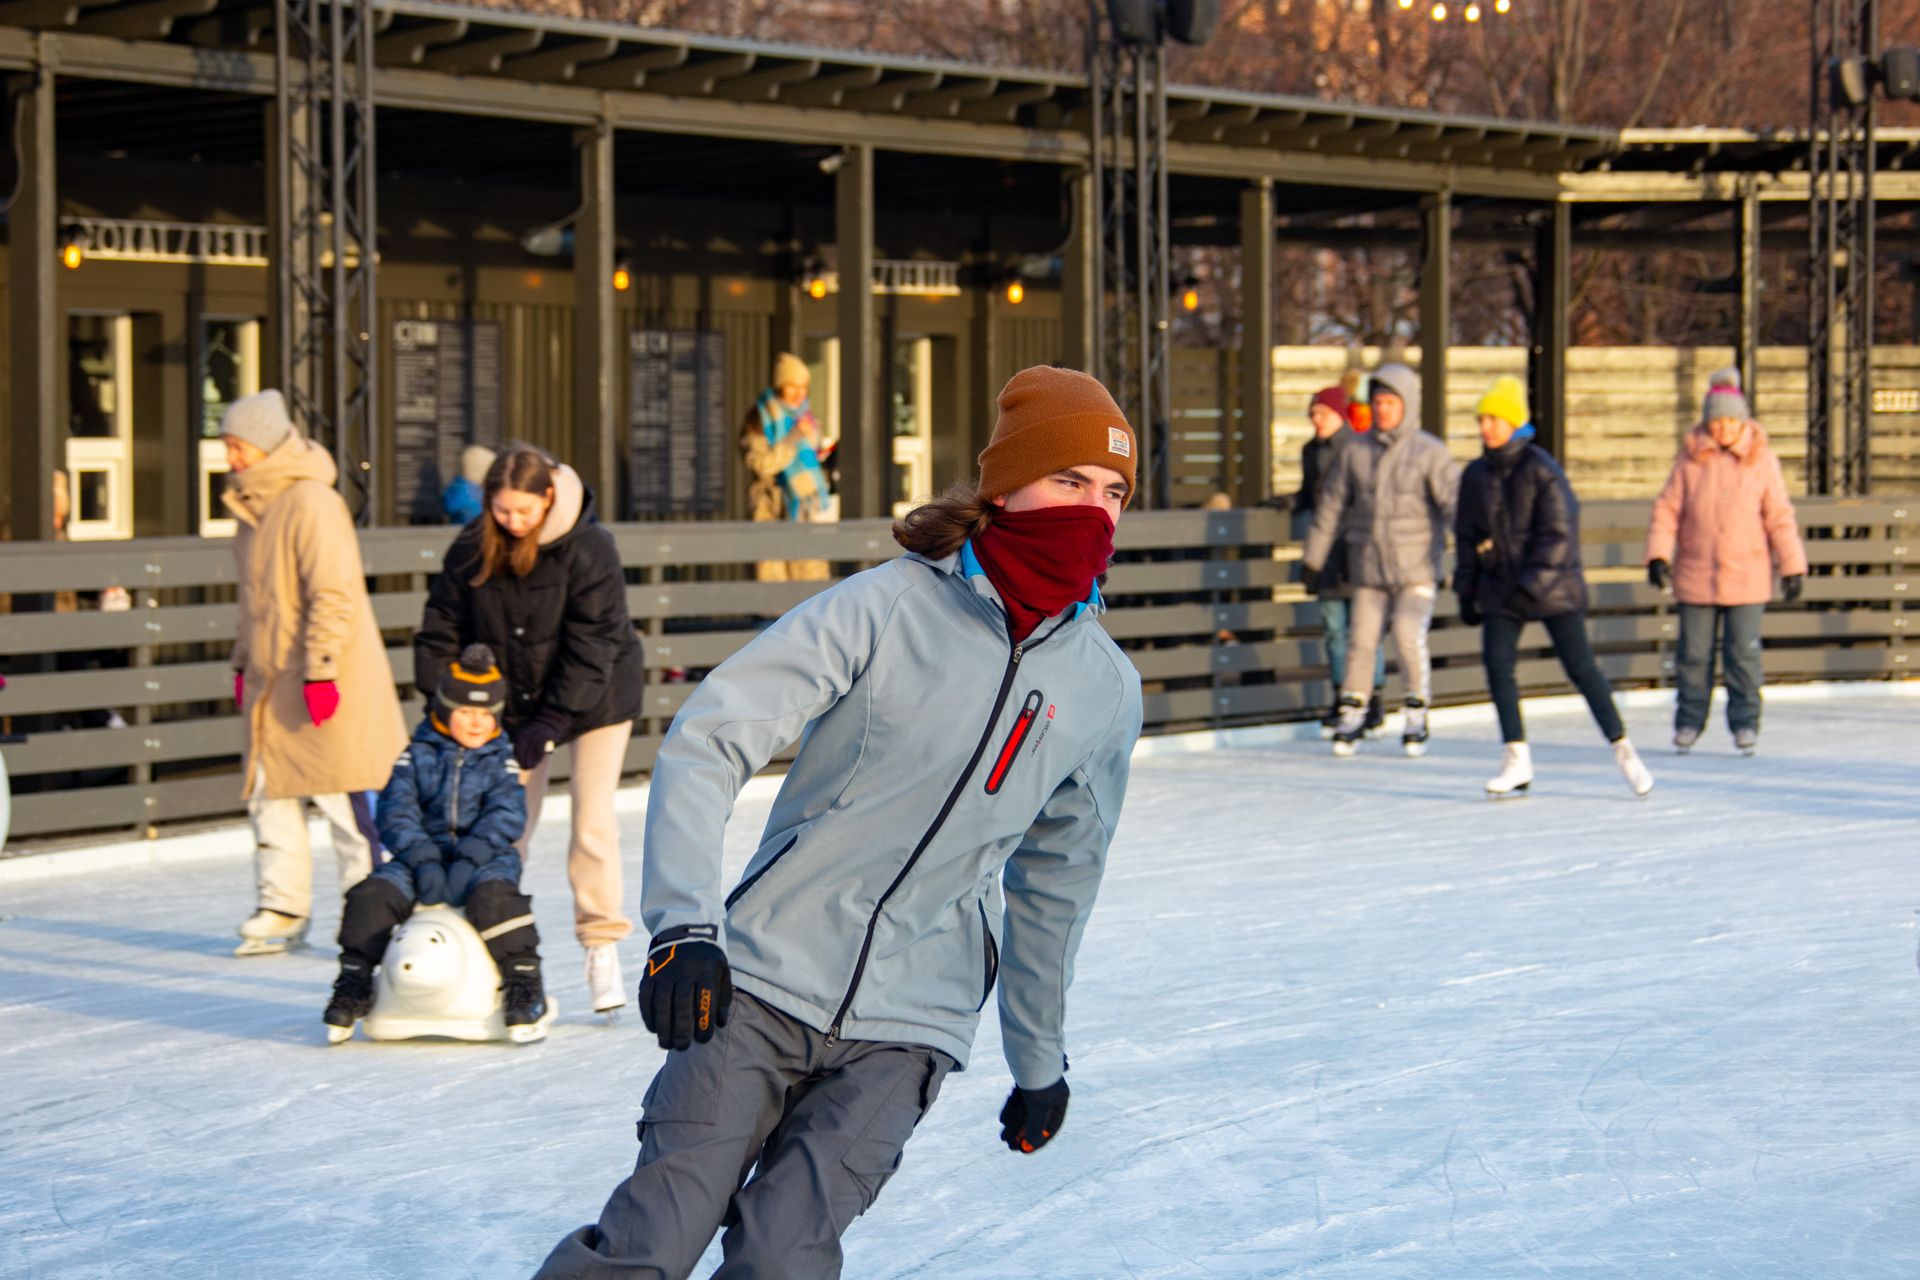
(1050, 420)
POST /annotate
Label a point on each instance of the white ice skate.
(1746, 741)
(1632, 768)
(269, 933)
(1351, 727)
(437, 979)
(605, 987)
(1516, 772)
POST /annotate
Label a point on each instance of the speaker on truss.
(1192, 21)
(1135, 21)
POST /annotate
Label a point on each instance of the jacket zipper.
(453, 803)
(939, 820)
(740, 889)
(1028, 713)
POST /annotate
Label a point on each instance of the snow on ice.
(1333, 1019)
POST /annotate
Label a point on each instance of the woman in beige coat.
(310, 671)
(780, 444)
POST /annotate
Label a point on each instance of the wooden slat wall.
(1205, 603)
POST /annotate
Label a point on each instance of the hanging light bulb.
(622, 277)
(1473, 13)
(1016, 292)
(1406, 4)
(1439, 13)
(1502, 6)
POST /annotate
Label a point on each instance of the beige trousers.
(593, 848)
(1410, 612)
(282, 858)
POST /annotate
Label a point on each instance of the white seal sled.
(437, 979)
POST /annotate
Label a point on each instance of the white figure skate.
(437, 979)
(270, 933)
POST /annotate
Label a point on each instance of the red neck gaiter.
(1043, 560)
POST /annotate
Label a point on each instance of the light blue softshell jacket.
(945, 822)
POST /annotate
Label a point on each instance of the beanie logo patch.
(1118, 441)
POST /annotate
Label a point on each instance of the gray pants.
(1410, 610)
(1738, 628)
(824, 1126)
(282, 858)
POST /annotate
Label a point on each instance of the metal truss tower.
(1132, 320)
(324, 223)
(1840, 218)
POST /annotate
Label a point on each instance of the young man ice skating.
(967, 729)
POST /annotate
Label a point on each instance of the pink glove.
(323, 699)
(240, 689)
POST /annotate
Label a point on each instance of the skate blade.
(1515, 793)
(338, 1035)
(533, 1032)
(268, 946)
(610, 1017)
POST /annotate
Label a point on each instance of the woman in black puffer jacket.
(538, 579)
(1517, 545)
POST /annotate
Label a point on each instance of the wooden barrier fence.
(129, 723)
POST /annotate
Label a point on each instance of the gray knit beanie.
(1402, 381)
(261, 420)
(1724, 398)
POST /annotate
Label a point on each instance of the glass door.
(227, 369)
(99, 447)
(910, 399)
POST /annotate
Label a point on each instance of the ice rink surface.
(1333, 1019)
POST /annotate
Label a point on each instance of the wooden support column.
(596, 454)
(1256, 342)
(1080, 274)
(1436, 309)
(865, 462)
(1746, 230)
(1547, 354)
(36, 357)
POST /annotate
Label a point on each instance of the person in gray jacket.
(1389, 498)
(965, 726)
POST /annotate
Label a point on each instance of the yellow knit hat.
(1052, 419)
(1507, 400)
(791, 370)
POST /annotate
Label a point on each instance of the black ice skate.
(1376, 715)
(526, 1009)
(1351, 727)
(352, 999)
(1414, 738)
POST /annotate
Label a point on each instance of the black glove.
(1792, 585)
(537, 738)
(1310, 579)
(1032, 1116)
(430, 883)
(1469, 611)
(1660, 574)
(459, 877)
(688, 990)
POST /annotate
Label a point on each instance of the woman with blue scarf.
(781, 443)
(1516, 537)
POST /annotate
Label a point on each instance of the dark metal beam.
(36, 349)
(865, 463)
(1436, 309)
(596, 452)
(1552, 300)
(1256, 342)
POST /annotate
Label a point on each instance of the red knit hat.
(1332, 397)
(1052, 419)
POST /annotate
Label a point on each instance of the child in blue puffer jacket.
(450, 816)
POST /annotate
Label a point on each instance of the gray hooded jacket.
(938, 763)
(1391, 496)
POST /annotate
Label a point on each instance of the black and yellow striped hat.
(473, 681)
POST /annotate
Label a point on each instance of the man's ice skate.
(1684, 738)
(269, 933)
(524, 1002)
(1352, 727)
(1746, 741)
(606, 989)
(1516, 773)
(1632, 768)
(1376, 715)
(1413, 734)
(352, 999)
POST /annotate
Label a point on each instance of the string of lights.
(1473, 11)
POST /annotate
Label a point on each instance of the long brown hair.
(937, 529)
(523, 469)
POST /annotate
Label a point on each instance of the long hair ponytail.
(936, 529)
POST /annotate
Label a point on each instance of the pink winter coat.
(1725, 523)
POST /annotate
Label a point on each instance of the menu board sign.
(677, 424)
(446, 396)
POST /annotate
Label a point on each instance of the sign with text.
(677, 423)
(446, 396)
(144, 240)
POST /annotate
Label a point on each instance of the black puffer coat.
(563, 634)
(1516, 535)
